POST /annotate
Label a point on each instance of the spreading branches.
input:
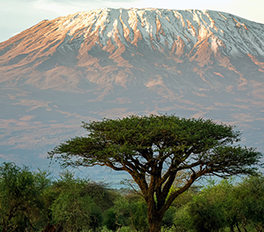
(154, 149)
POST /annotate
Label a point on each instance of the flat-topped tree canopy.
(153, 149)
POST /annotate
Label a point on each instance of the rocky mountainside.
(116, 62)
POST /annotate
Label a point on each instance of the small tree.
(248, 202)
(21, 200)
(153, 149)
(208, 210)
(76, 208)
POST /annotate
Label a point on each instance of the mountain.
(117, 62)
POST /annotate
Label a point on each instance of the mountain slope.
(115, 62)
(118, 39)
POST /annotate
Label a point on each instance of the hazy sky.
(18, 15)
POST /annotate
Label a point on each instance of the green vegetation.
(164, 155)
(31, 201)
(156, 150)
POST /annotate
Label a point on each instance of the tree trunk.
(154, 219)
(155, 226)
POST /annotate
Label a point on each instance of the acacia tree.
(153, 149)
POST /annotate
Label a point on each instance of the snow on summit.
(161, 29)
(178, 32)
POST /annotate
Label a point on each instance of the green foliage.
(183, 219)
(129, 210)
(111, 220)
(138, 211)
(248, 202)
(21, 201)
(112, 142)
(30, 200)
(225, 205)
(155, 149)
(209, 210)
(78, 204)
(179, 210)
(71, 211)
(167, 221)
(122, 211)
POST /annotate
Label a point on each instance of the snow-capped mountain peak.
(161, 29)
(176, 31)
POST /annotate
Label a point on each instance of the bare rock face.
(116, 62)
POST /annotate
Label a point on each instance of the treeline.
(32, 201)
